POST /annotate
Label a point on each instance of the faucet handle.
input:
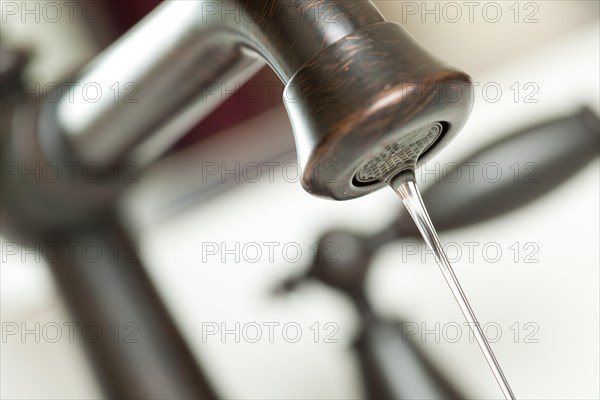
(374, 101)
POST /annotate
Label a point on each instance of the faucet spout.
(355, 85)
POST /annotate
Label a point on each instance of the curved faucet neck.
(167, 73)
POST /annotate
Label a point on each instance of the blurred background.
(532, 274)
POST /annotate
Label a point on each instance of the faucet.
(354, 83)
(364, 99)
